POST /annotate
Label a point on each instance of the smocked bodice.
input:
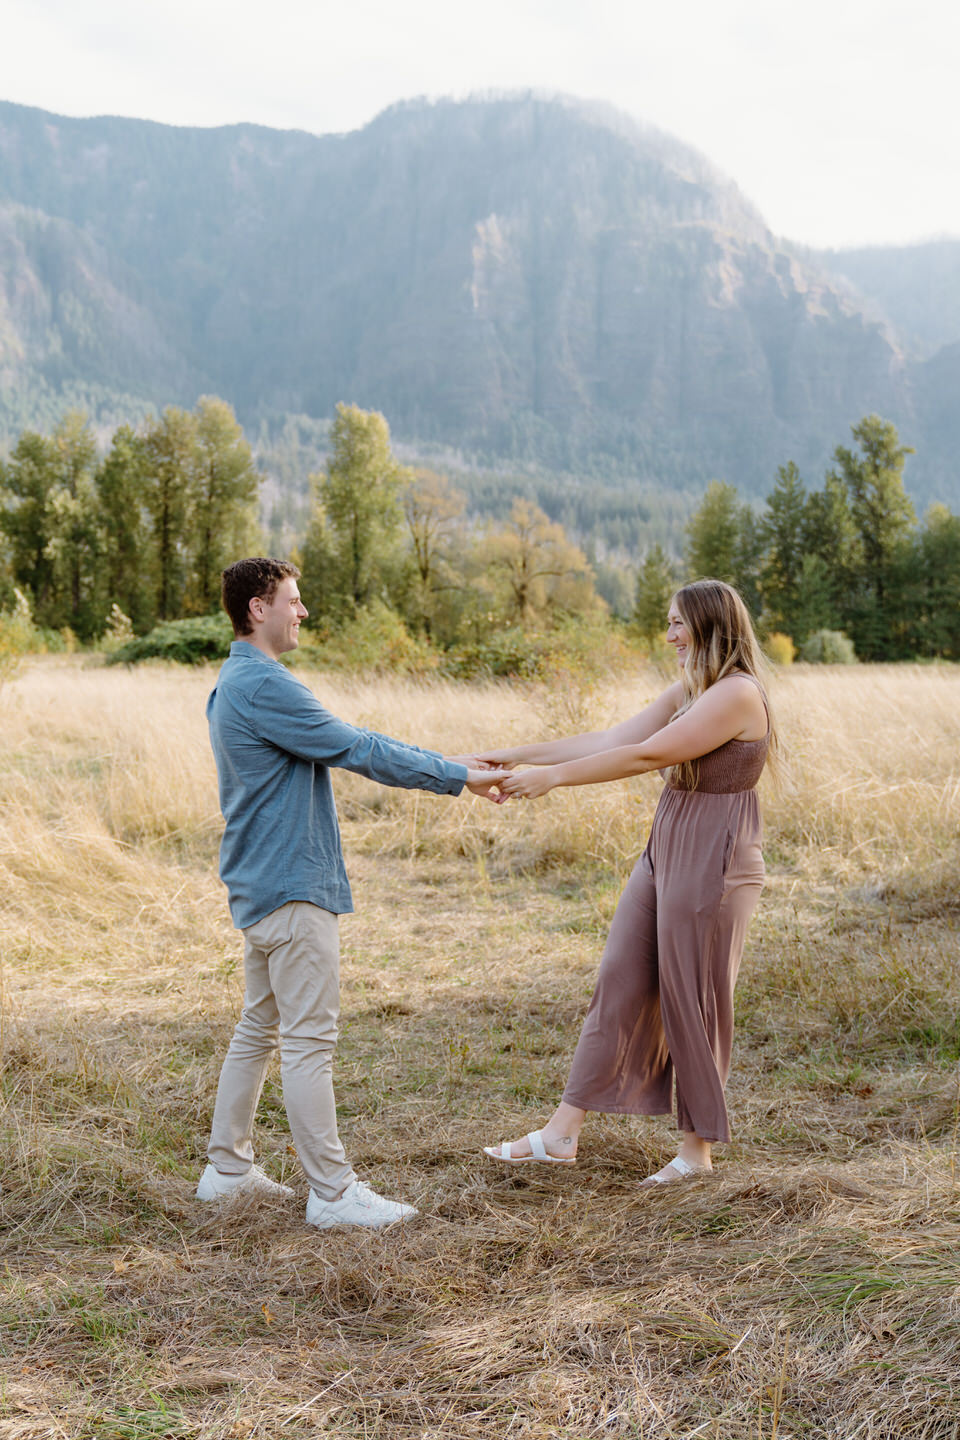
(731, 768)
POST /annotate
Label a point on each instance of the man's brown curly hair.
(244, 579)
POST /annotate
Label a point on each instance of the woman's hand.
(529, 784)
(504, 758)
(473, 762)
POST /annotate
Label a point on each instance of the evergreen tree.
(724, 542)
(746, 577)
(816, 605)
(656, 585)
(937, 626)
(713, 534)
(782, 532)
(831, 562)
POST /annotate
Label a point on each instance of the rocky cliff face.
(521, 278)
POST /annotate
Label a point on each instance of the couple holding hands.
(661, 1016)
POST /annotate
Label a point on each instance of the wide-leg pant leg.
(621, 1064)
(700, 942)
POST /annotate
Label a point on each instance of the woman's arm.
(573, 747)
(723, 713)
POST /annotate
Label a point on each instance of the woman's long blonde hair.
(722, 642)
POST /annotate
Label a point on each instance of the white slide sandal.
(684, 1169)
(538, 1153)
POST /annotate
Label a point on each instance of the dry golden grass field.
(810, 1289)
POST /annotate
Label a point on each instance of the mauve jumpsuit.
(662, 1010)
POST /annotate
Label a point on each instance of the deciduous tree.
(531, 560)
(50, 518)
(126, 556)
(222, 515)
(170, 447)
(360, 497)
(883, 518)
(431, 507)
(29, 480)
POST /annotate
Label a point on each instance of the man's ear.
(255, 609)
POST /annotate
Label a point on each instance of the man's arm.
(286, 714)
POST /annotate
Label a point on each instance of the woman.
(662, 1010)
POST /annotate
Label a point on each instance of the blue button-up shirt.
(274, 743)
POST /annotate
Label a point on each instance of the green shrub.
(189, 642)
(828, 647)
(55, 642)
(502, 652)
(576, 646)
(375, 639)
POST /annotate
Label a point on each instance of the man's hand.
(486, 782)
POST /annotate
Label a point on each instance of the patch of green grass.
(937, 1043)
(158, 1422)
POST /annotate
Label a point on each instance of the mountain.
(915, 288)
(528, 280)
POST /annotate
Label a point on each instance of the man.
(282, 863)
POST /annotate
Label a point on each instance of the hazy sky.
(838, 118)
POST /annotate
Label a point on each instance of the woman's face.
(677, 635)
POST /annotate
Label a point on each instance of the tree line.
(148, 526)
(849, 557)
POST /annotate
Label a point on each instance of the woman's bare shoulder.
(750, 698)
(746, 685)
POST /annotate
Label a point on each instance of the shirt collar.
(243, 650)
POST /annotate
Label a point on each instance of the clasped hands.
(492, 776)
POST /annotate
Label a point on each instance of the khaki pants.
(292, 968)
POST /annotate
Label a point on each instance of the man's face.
(279, 619)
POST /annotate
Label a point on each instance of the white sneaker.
(215, 1186)
(358, 1205)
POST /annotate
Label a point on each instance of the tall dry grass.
(872, 771)
(870, 785)
(812, 1289)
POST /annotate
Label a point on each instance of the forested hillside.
(916, 288)
(540, 286)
